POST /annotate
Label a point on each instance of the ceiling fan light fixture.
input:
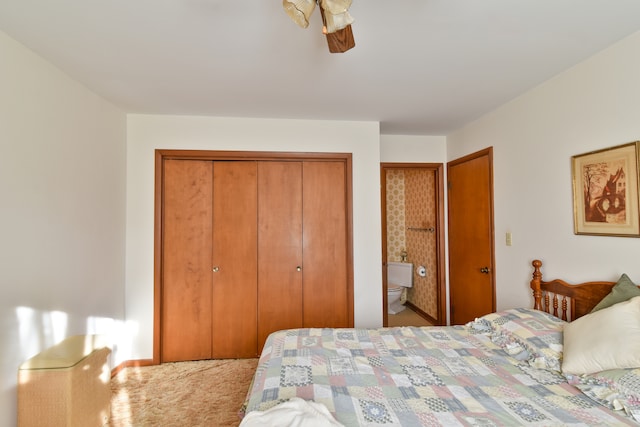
(299, 10)
(341, 40)
(336, 22)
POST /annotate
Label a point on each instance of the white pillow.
(606, 339)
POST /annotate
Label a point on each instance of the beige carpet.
(203, 393)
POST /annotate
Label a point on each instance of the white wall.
(413, 149)
(62, 214)
(591, 106)
(147, 133)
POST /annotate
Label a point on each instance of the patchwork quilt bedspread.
(410, 376)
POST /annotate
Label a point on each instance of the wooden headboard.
(564, 300)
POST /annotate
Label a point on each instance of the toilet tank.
(400, 273)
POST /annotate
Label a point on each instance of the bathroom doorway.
(412, 199)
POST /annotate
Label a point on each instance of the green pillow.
(624, 290)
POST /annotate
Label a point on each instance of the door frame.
(438, 169)
(164, 154)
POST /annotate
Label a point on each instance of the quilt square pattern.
(410, 376)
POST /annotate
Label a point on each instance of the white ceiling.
(420, 67)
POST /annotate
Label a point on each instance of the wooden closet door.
(186, 260)
(234, 303)
(279, 247)
(325, 262)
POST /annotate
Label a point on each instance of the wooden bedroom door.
(471, 237)
(209, 283)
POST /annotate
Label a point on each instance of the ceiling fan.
(336, 20)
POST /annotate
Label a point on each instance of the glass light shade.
(335, 6)
(299, 10)
(337, 22)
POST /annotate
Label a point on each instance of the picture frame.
(605, 191)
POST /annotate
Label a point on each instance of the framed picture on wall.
(605, 191)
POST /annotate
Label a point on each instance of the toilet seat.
(395, 288)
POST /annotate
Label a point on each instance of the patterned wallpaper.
(411, 203)
(395, 215)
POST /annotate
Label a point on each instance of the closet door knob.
(216, 269)
(298, 268)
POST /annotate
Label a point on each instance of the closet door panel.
(186, 260)
(279, 247)
(325, 272)
(234, 300)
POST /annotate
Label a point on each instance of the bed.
(507, 368)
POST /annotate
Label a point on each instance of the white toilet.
(399, 277)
